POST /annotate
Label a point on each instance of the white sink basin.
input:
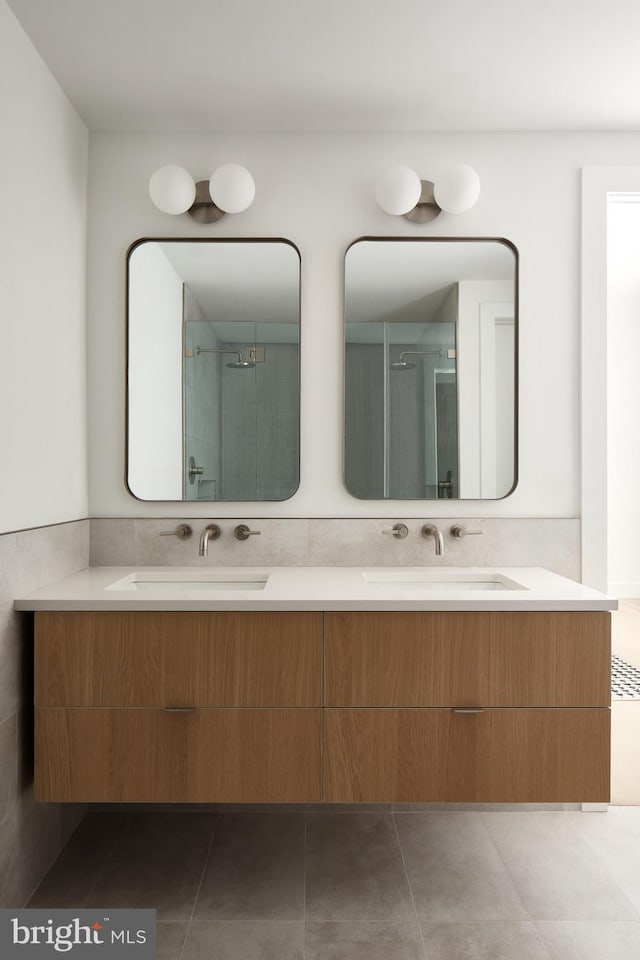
(200, 581)
(434, 580)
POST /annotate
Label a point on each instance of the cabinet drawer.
(415, 659)
(202, 659)
(506, 756)
(405, 659)
(550, 659)
(204, 756)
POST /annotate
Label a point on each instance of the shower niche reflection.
(430, 369)
(213, 370)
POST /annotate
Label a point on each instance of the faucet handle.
(458, 532)
(183, 531)
(398, 530)
(242, 532)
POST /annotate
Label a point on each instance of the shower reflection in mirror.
(213, 370)
(430, 369)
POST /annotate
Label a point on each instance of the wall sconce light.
(401, 192)
(230, 189)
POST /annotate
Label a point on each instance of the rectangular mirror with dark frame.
(213, 369)
(431, 334)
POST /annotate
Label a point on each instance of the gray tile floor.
(383, 884)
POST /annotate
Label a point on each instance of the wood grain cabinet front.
(451, 659)
(157, 756)
(536, 687)
(344, 707)
(131, 659)
(438, 755)
(190, 707)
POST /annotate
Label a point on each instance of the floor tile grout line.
(406, 873)
(101, 872)
(304, 890)
(504, 864)
(204, 866)
(539, 935)
(601, 865)
(221, 921)
(604, 867)
(195, 899)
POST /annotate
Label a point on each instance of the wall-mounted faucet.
(430, 530)
(212, 532)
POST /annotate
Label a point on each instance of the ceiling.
(408, 281)
(342, 65)
(239, 281)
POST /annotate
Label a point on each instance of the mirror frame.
(516, 361)
(208, 240)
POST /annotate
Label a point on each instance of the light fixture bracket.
(426, 209)
(204, 209)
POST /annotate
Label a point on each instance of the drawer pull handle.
(468, 709)
(179, 709)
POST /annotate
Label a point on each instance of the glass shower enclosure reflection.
(235, 378)
(401, 411)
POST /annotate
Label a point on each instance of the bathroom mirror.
(431, 331)
(213, 361)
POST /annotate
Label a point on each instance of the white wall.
(623, 322)
(43, 173)
(155, 377)
(478, 413)
(319, 192)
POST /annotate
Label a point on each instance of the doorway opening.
(609, 200)
(623, 483)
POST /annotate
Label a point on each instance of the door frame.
(597, 183)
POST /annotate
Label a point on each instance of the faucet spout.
(212, 532)
(430, 530)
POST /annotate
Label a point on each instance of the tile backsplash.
(546, 542)
(31, 834)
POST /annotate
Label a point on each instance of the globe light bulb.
(232, 188)
(172, 189)
(398, 191)
(457, 189)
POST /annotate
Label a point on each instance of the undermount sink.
(437, 580)
(200, 582)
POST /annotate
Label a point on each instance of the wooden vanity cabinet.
(178, 707)
(344, 707)
(467, 707)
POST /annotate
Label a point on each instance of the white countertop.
(317, 588)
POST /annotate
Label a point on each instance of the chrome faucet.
(212, 532)
(430, 530)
